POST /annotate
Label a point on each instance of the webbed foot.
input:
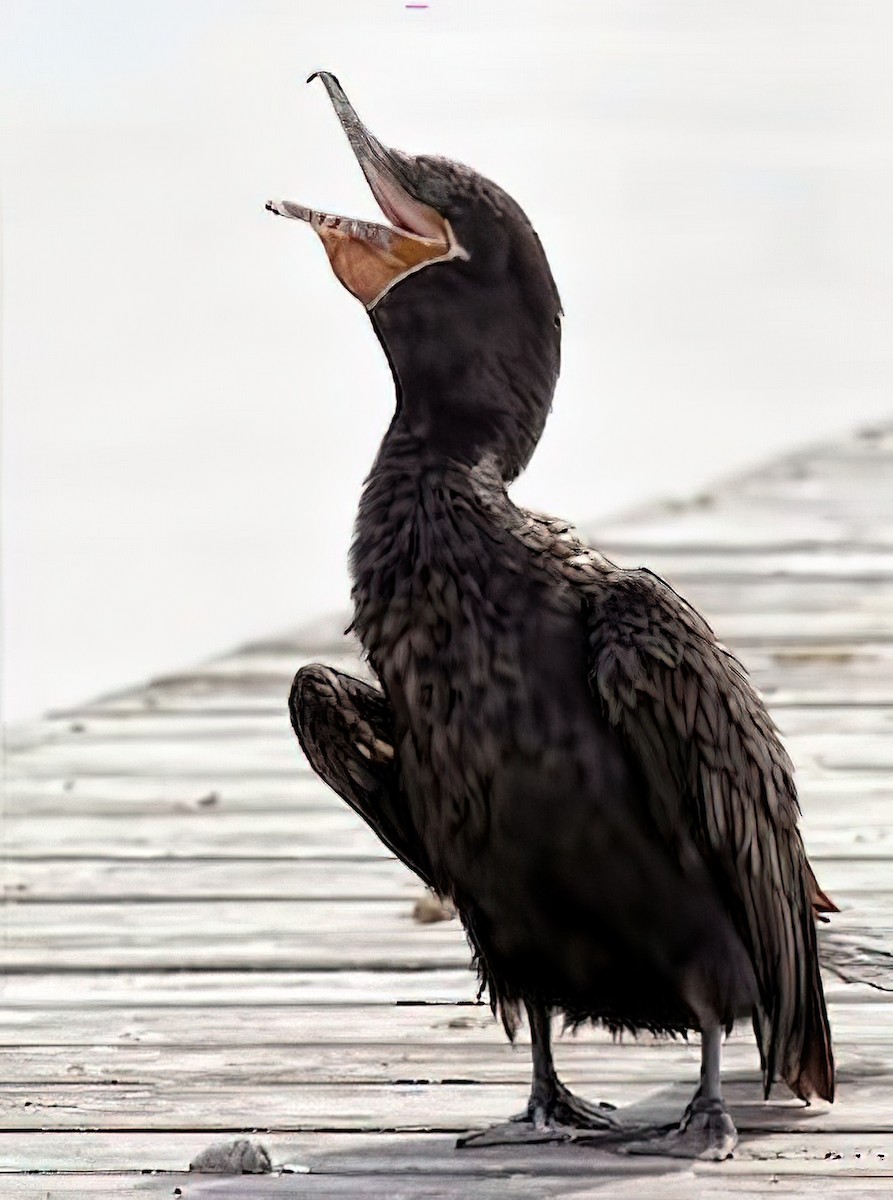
(706, 1132)
(560, 1117)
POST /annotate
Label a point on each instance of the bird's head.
(459, 292)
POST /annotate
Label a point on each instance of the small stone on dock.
(240, 1157)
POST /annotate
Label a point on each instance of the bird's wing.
(346, 729)
(719, 780)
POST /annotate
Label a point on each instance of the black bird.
(558, 745)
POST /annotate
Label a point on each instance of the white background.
(190, 399)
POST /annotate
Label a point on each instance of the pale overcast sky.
(190, 399)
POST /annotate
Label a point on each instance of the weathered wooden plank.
(110, 739)
(189, 1068)
(781, 683)
(266, 933)
(185, 1067)
(687, 565)
(33, 1001)
(277, 1021)
(139, 796)
(785, 594)
(101, 752)
(794, 627)
(293, 1184)
(810, 505)
(815, 502)
(30, 880)
(99, 805)
(220, 758)
(130, 796)
(353, 1187)
(409, 1106)
(799, 721)
(242, 692)
(866, 663)
(755, 527)
(838, 691)
(357, 1156)
(336, 831)
(862, 831)
(280, 756)
(272, 673)
(262, 746)
(38, 880)
(310, 934)
(258, 755)
(274, 1014)
(671, 1183)
(743, 607)
(169, 731)
(52, 1186)
(842, 752)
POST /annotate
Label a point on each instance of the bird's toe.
(707, 1132)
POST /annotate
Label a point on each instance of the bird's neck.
(412, 479)
(473, 385)
(419, 509)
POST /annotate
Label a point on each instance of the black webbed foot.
(706, 1132)
(559, 1116)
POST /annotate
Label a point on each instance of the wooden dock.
(200, 942)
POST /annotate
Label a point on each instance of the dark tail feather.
(792, 1029)
(816, 1074)
(813, 1074)
(821, 901)
(806, 1062)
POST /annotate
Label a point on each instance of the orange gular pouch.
(369, 267)
(369, 258)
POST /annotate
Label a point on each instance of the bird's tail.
(793, 1030)
(821, 902)
(813, 1072)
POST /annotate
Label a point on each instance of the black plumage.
(559, 745)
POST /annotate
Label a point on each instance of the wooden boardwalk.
(200, 942)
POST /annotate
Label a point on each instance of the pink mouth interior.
(400, 208)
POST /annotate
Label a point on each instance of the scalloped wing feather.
(719, 775)
(720, 783)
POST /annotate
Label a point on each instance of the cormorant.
(558, 745)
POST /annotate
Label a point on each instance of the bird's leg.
(706, 1130)
(551, 1102)
(553, 1113)
(346, 730)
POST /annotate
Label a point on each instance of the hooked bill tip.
(323, 75)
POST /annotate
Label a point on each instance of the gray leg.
(706, 1130)
(346, 730)
(553, 1113)
(711, 1064)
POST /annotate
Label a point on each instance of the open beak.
(366, 257)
